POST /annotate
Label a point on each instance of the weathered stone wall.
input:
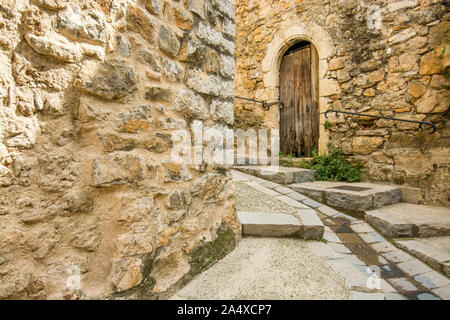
(90, 94)
(388, 62)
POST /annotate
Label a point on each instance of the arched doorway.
(299, 113)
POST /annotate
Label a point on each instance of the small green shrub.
(282, 155)
(322, 240)
(327, 124)
(332, 166)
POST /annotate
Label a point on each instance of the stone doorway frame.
(285, 37)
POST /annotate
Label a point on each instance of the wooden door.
(299, 115)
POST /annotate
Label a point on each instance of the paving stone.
(349, 238)
(239, 176)
(309, 217)
(321, 216)
(269, 224)
(414, 267)
(353, 259)
(361, 227)
(335, 196)
(362, 268)
(371, 237)
(434, 251)
(403, 283)
(427, 296)
(443, 292)
(432, 280)
(270, 185)
(397, 256)
(386, 287)
(282, 190)
(291, 202)
(296, 196)
(394, 296)
(341, 229)
(353, 277)
(410, 220)
(313, 227)
(382, 260)
(282, 175)
(446, 269)
(259, 187)
(322, 250)
(328, 211)
(355, 295)
(331, 222)
(311, 203)
(382, 247)
(258, 180)
(331, 237)
(391, 271)
(345, 217)
(338, 247)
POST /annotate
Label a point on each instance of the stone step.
(355, 197)
(281, 175)
(402, 220)
(307, 225)
(434, 251)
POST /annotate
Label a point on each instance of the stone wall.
(377, 57)
(90, 94)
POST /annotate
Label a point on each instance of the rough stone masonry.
(90, 92)
(387, 58)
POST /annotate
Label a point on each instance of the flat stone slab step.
(281, 175)
(402, 220)
(306, 225)
(354, 197)
(269, 224)
(434, 251)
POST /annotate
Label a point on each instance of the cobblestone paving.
(372, 267)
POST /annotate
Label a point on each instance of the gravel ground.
(247, 198)
(267, 268)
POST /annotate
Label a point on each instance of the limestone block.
(112, 79)
(191, 105)
(222, 111)
(435, 61)
(55, 46)
(127, 273)
(78, 26)
(366, 145)
(328, 87)
(116, 169)
(168, 41)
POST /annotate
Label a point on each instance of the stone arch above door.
(282, 41)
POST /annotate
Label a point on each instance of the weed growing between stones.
(332, 166)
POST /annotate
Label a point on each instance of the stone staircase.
(422, 231)
(297, 219)
(281, 175)
(354, 198)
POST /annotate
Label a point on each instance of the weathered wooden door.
(299, 115)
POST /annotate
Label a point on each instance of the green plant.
(282, 155)
(332, 166)
(322, 240)
(327, 124)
